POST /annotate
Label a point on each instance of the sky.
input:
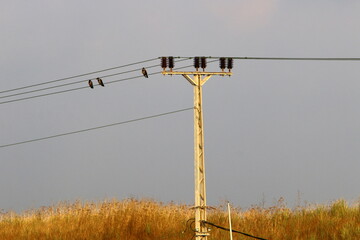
(275, 129)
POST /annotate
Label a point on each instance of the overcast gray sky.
(274, 129)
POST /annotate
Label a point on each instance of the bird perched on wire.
(100, 82)
(144, 72)
(91, 85)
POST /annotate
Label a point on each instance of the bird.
(100, 82)
(144, 72)
(91, 84)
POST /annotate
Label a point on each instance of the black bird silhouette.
(144, 72)
(100, 82)
(91, 84)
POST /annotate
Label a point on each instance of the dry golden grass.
(145, 219)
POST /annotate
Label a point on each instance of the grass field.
(132, 219)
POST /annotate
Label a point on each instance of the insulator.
(197, 63)
(222, 63)
(171, 63)
(164, 63)
(229, 64)
(203, 63)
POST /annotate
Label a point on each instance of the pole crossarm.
(196, 73)
(187, 75)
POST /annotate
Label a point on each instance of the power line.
(284, 58)
(42, 95)
(126, 65)
(78, 88)
(297, 59)
(79, 75)
(226, 229)
(72, 83)
(152, 59)
(109, 75)
(82, 81)
(95, 128)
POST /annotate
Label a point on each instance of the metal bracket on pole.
(199, 79)
(189, 79)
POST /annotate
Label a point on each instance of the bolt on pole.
(198, 80)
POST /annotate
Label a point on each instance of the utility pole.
(198, 79)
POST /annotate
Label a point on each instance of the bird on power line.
(144, 72)
(91, 85)
(100, 82)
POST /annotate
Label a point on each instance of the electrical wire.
(95, 128)
(152, 59)
(68, 90)
(42, 95)
(297, 59)
(72, 83)
(285, 58)
(81, 81)
(74, 89)
(183, 59)
(188, 225)
(79, 75)
(235, 231)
